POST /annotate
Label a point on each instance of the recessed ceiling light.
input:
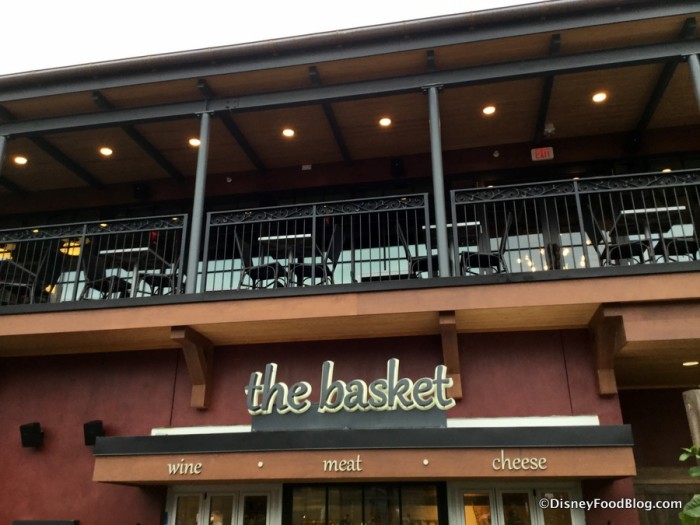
(288, 132)
(106, 151)
(599, 97)
(194, 142)
(489, 110)
(385, 122)
(20, 161)
(691, 363)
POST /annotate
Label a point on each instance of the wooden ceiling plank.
(141, 141)
(53, 152)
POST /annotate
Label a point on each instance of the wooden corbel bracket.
(450, 352)
(608, 329)
(198, 351)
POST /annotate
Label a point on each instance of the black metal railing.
(312, 244)
(564, 225)
(95, 260)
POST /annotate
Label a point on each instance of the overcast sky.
(45, 34)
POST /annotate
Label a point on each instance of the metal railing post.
(438, 183)
(81, 254)
(582, 228)
(198, 205)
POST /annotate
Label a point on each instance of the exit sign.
(542, 153)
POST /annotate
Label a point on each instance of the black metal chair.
(675, 247)
(17, 283)
(96, 277)
(324, 261)
(269, 275)
(487, 260)
(162, 281)
(418, 265)
(612, 252)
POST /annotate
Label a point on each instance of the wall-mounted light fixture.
(92, 430)
(32, 435)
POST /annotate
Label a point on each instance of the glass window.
(344, 506)
(255, 510)
(221, 510)
(187, 510)
(382, 505)
(516, 508)
(419, 505)
(477, 509)
(557, 516)
(309, 506)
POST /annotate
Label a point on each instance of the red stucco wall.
(533, 374)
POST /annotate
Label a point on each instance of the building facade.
(429, 273)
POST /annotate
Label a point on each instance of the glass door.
(219, 507)
(493, 505)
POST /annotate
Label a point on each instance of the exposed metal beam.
(620, 57)
(141, 141)
(8, 184)
(330, 117)
(233, 128)
(56, 154)
(687, 32)
(324, 52)
(554, 49)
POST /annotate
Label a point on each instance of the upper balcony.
(348, 226)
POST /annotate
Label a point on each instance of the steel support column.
(3, 143)
(198, 205)
(438, 183)
(694, 65)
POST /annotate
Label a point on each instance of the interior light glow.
(600, 97)
(70, 248)
(489, 110)
(6, 251)
(691, 363)
(20, 161)
(105, 151)
(565, 252)
(385, 122)
(194, 142)
(666, 170)
(288, 132)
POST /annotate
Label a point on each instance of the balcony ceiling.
(66, 159)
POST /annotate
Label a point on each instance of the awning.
(361, 455)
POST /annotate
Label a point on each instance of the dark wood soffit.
(479, 160)
(547, 305)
